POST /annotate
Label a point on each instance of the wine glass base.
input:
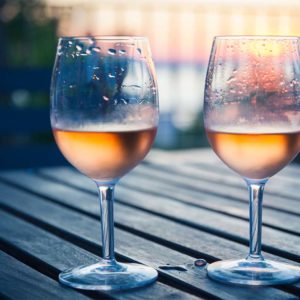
(249, 272)
(105, 276)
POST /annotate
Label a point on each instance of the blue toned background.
(180, 34)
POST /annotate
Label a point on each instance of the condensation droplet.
(231, 78)
(105, 98)
(111, 75)
(122, 69)
(96, 68)
(72, 86)
(95, 77)
(122, 51)
(96, 49)
(139, 50)
(79, 48)
(70, 42)
(111, 51)
(132, 86)
(200, 262)
(59, 52)
(88, 51)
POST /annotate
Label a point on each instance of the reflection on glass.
(104, 115)
(252, 121)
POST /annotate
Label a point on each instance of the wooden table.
(171, 209)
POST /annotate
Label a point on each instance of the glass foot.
(249, 272)
(106, 276)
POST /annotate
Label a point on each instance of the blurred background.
(180, 34)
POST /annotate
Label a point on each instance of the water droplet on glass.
(122, 51)
(105, 98)
(70, 43)
(59, 52)
(111, 51)
(79, 48)
(122, 69)
(139, 50)
(200, 262)
(135, 86)
(96, 49)
(72, 86)
(91, 41)
(88, 51)
(231, 78)
(111, 75)
(95, 77)
(96, 68)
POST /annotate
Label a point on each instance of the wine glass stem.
(106, 197)
(256, 190)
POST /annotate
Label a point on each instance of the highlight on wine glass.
(252, 121)
(104, 116)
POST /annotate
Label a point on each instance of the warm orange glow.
(266, 48)
(180, 30)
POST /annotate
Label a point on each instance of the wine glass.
(252, 121)
(104, 116)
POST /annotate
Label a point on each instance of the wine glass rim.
(254, 37)
(105, 38)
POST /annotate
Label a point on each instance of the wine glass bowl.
(104, 116)
(252, 121)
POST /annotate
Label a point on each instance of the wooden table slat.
(128, 245)
(53, 251)
(18, 281)
(272, 218)
(234, 193)
(171, 209)
(276, 242)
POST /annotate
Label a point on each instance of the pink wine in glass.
(104, 155)
(255, 155)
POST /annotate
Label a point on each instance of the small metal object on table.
(174, 208)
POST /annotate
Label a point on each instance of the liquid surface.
(255, 156)
(104, 156)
